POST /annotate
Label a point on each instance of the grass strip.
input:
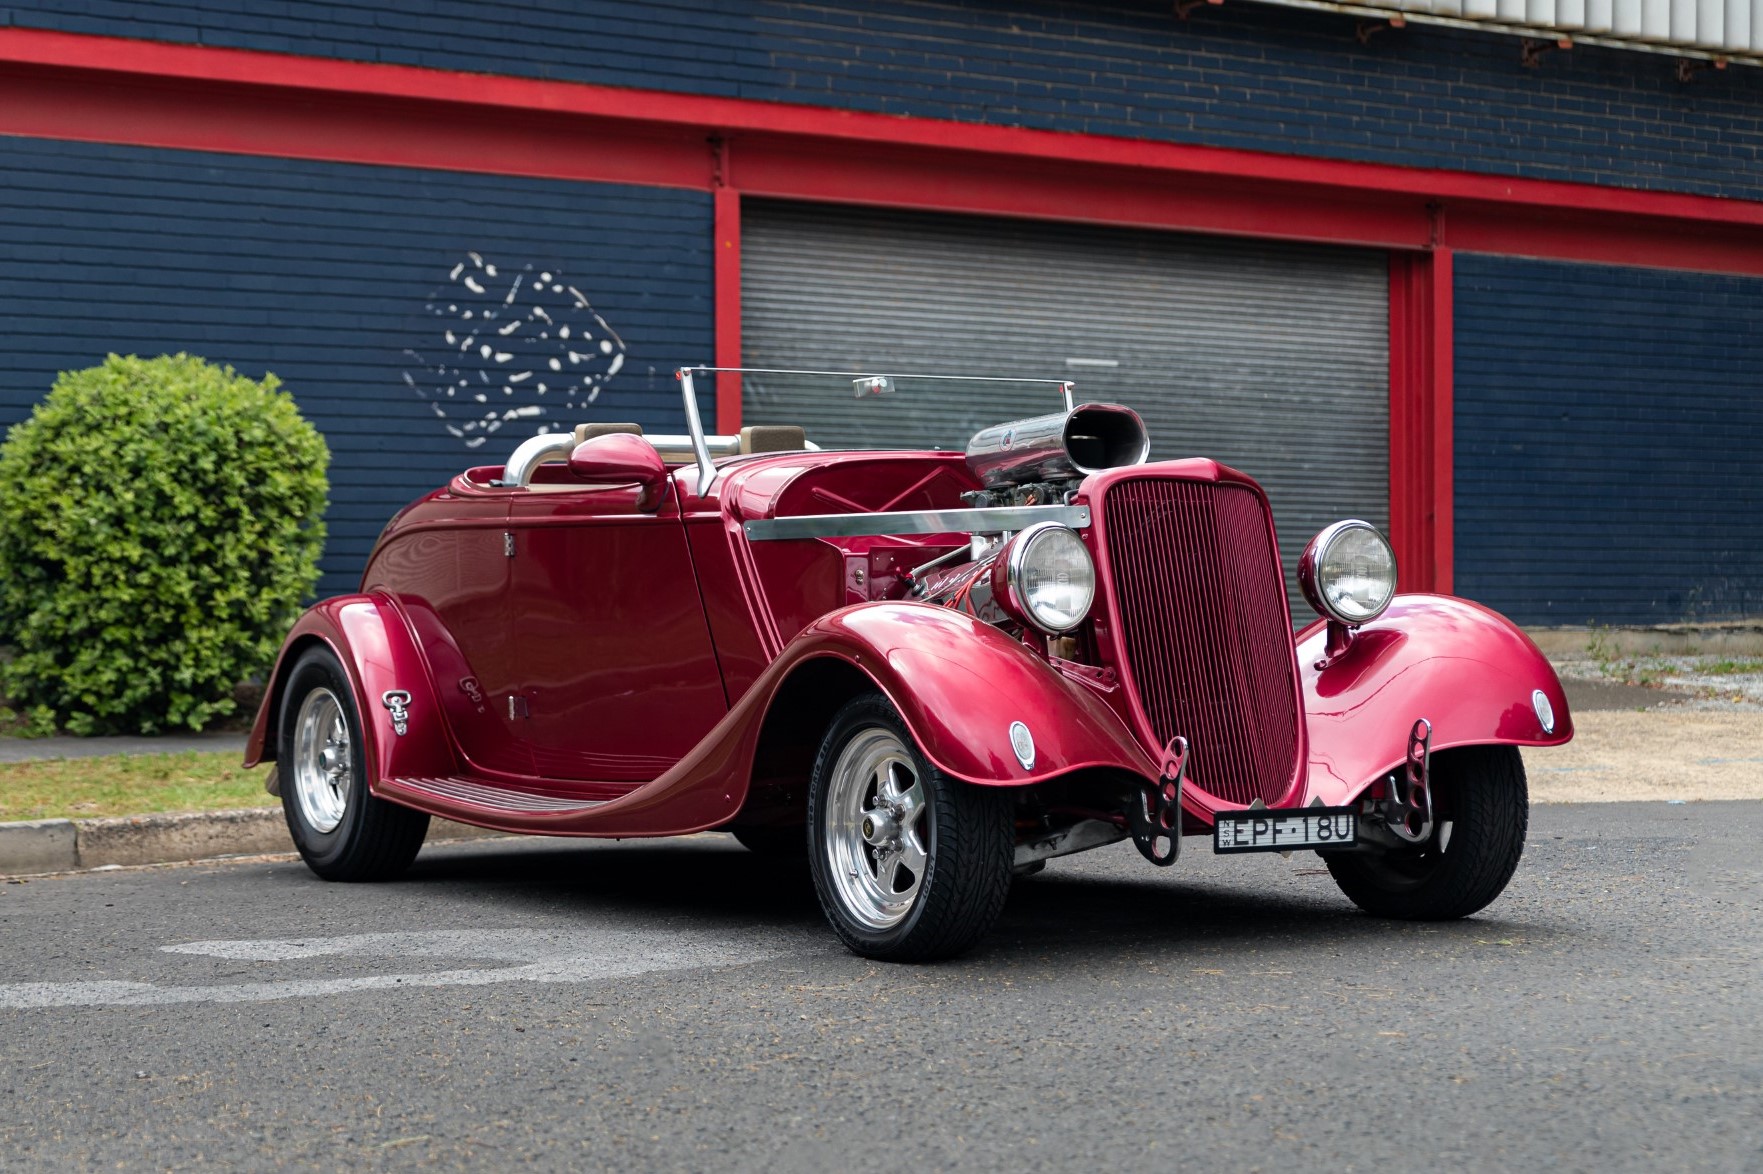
(128, 784)
(1730, 668)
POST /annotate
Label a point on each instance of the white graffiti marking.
(510, 347)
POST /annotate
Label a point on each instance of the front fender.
(957, 683)
(960, 684)
(368, 635)
(1468, 670)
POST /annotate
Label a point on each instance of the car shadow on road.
(710, 878)
(1050, 911)
(710, 886)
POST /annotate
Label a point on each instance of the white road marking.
(541, 956)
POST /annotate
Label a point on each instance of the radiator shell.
(1195, 622)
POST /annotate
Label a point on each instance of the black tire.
(966, 832)
(776, 843)
(1481, 792)
(374, 839)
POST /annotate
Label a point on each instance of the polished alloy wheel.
(876, 831)
(343, 831)
(323, 761)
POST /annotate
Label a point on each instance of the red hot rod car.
(927, 670)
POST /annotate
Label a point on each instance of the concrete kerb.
(39, 845)
(70, 845)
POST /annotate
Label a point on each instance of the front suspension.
(1407, 809)
(1156, 817)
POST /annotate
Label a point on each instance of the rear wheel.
(909, 864)
(1481, 814)
(343, 833)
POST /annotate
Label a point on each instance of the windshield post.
(706, 469)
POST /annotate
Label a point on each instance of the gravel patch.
(1685, 753)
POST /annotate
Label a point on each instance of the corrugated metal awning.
(1716, 30)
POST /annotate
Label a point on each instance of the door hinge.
(517, 707)
(508, 543)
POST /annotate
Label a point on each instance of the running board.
(470, 801)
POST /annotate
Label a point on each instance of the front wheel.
(909, 864)
(343, 833)
(1481, 812)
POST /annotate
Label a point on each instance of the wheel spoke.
(887, 870)
(887, 783)
(912, 799)
(912, 853)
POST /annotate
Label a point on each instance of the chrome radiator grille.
(1203, 630)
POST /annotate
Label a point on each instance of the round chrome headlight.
(1348, 572)
(1049, 580)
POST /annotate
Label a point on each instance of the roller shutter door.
(1270, 357)
(1608, 425)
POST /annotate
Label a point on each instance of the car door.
(451, 578)
(618, 676)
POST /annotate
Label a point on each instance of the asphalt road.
(680, 1006)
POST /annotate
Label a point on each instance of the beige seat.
(589, 431)
(757, 438)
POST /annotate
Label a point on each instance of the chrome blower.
(1040, 460)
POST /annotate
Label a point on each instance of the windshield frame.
(695, 424)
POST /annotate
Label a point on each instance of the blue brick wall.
(1609, 423)
(345, 281)
(1241, 75)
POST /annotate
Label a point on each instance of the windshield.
(877, 410)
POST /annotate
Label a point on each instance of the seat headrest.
(589, 431)
(756, 438)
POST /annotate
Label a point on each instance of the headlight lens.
(1348, 572)
(1050, 580)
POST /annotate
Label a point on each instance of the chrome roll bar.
(533, 452)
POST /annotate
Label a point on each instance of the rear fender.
(1466, 669)
(369, 637)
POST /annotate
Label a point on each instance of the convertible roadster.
(928, 671)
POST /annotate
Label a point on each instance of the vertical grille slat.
(1203, 630)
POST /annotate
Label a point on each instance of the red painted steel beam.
(1422, 471)
(1568, 234)
(1033, 188)
(62, 85)
(1441, 439)
(726, 236)
(257, 119)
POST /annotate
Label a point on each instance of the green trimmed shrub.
(160, 524)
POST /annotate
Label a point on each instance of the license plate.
(1281, 831)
